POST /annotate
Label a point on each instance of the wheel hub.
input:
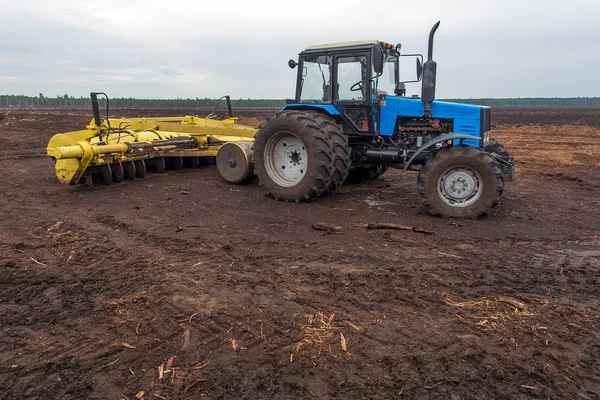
(286, 159)
(459, 186)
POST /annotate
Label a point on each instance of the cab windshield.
(386, 82)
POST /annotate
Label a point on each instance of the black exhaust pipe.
(429, 75)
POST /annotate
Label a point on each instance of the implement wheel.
(234, 162)
(294, 155)
(460, 181)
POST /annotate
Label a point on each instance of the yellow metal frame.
(130, 139)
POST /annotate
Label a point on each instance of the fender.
(442, 138)
(327, 108)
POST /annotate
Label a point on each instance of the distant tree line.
(121, 102)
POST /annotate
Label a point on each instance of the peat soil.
(181, 286)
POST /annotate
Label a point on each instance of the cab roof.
(356, 43)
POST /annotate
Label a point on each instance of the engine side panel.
(466, 117)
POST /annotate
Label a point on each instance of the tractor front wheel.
(461, 181)
(295, 155)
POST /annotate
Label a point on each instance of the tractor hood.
(468, 118)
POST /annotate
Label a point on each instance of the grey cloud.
(486, 50)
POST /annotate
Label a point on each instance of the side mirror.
(378, 59)
(419, 69)
(292, 64)
(406, 75)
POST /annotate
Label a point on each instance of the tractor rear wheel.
(460, 181)
(295, 155)
(341, 150)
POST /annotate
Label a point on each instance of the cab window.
(386, 83)
(316, 79)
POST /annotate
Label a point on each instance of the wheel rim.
(286, 159)
(460, 186)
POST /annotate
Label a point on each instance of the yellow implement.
(118, 149)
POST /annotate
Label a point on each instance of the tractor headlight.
(486, 138)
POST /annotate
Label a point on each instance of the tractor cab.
(349, 79)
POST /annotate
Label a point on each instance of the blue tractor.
(351, 120)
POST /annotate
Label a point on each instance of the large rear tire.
(295, 156)
(341, 149)
(461, 181)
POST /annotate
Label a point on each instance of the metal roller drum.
(234, 162)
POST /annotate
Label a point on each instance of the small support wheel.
(234, 162)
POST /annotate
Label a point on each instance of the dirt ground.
(180, 286)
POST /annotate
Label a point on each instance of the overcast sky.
(195, 48)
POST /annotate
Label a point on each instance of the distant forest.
(121, 102)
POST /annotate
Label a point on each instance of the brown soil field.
(181, 286)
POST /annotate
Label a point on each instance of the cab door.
(352, 91)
